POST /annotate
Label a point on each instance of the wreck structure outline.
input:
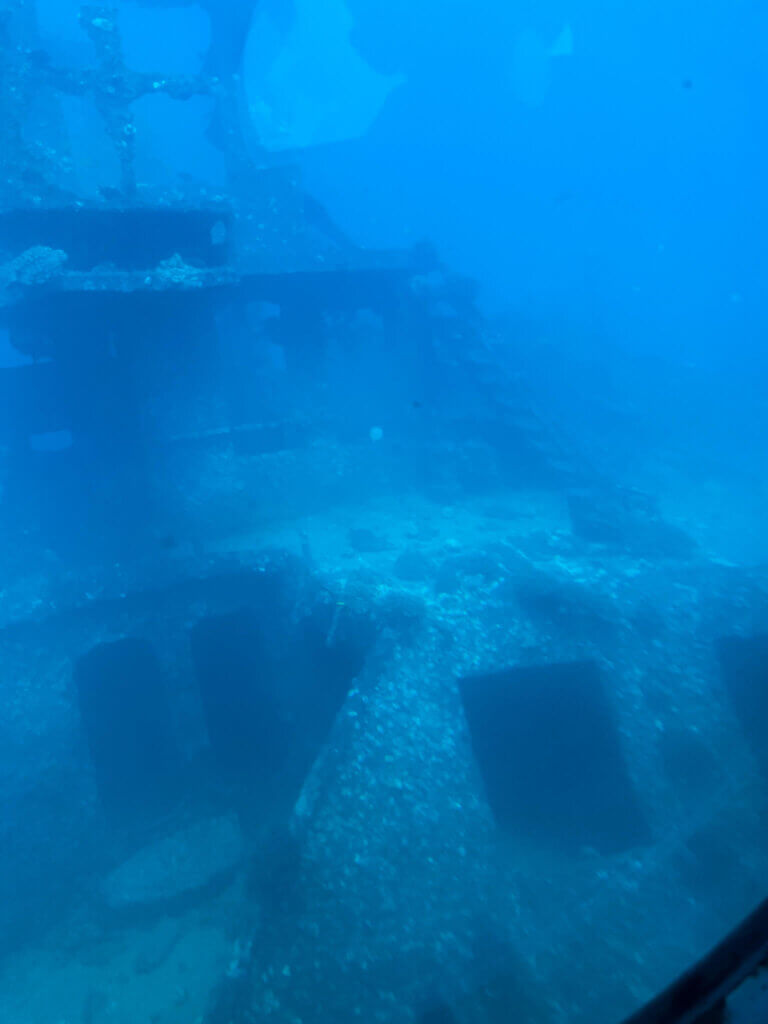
(424, 744)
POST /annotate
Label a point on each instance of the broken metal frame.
(29, 169)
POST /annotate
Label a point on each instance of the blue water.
(382, 506)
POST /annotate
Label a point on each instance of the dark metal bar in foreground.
(699, 995)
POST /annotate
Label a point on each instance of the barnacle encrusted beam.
(115, 87)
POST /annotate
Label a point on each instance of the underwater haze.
(594, 163)
(383, 503)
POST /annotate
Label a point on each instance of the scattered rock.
(619, 520)
(403, 613)
(366, 541)
(413, 566)
(177, 868)
(454, 572)
(157, 947)
(564, 604)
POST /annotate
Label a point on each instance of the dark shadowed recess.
(549, 753)
(744, 666)
(270, 691)
(271, 681)
(126, 723)
(439, 1014)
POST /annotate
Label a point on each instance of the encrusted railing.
(30, 167)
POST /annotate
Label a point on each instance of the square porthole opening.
(550, 757)
(744, 668)
(270, 691)
(127, 723)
